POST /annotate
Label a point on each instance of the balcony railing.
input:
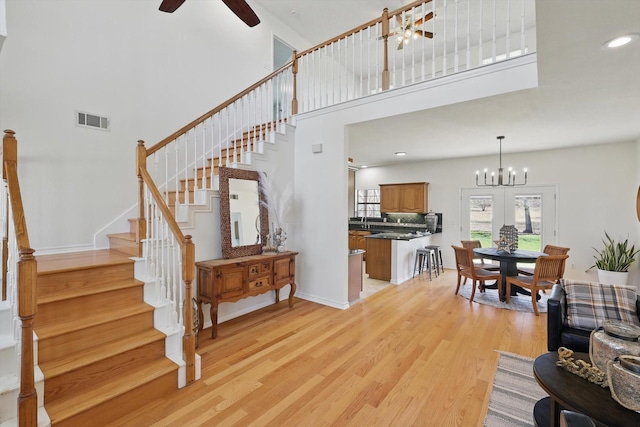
(422, 41)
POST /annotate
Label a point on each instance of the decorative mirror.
(244, 220)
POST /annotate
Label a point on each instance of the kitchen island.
(390, 256)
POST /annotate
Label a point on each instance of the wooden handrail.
(217, 109)
(26, 282)
(187, 249)
(363, 26)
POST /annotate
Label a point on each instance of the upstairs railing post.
(141, 164)
(189, 340)
(385, 38)
(27, 399)
(294, 70)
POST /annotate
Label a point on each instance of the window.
(368, 203)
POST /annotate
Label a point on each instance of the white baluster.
(468, 58)
(523, 33)
(204, 157)
(444, 40)
(186, 169)
(493, 36)
(508, 40)
(480, 53)
(456, 58)
(176, 147)
(433, 44)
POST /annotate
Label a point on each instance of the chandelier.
(510, 178)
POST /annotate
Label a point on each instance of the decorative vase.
(606, 277)
(613, 339)
(624, 381)
(279, 240)
(432, 222)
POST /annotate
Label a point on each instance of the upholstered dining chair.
(549, 250)
(547, 272)
(468, 269)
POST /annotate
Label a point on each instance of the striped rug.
(517, 303)
(514, 393)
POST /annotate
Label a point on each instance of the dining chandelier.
(510, 178)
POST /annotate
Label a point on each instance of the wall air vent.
(233, 196)
(92, 121)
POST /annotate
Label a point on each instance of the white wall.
(596, 192)
(149, 71)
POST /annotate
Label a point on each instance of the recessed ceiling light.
(620, 41)
(400, 153)
(364, 166)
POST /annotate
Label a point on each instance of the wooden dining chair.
(547, 272)
(549, 250)
(473, 244)
(468, 269)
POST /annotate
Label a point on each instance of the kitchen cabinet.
(229, 280)
(378, 264)
(357, 240)
(404, 198)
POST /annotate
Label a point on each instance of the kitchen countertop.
(397, 236)
(356, 252)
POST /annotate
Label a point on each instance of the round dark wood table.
(509, 265)
(569, 391)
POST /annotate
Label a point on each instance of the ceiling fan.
(239, 7)
(408, 30)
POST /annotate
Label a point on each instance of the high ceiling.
(586, 95)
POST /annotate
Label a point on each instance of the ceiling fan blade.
(427, 34)
(243, 11)
(426, 18)
(170, 6)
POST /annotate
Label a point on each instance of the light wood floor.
(410, 355)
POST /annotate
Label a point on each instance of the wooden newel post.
(26, 280)
(141, 164)
(385, 37)
(294, 101)
(189, 339)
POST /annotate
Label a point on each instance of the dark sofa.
(558, 333)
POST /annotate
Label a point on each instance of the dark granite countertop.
(397, 236)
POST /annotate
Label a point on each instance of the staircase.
(98, 349)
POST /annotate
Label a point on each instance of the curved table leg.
(291, 293)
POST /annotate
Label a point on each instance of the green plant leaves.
(615, 256)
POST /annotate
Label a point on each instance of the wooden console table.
(229, 280)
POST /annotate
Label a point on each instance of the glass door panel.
(528, 221)
(481, 219)
(531, 209)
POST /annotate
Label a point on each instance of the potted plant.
(614, 260)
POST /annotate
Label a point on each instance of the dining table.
(508, 265)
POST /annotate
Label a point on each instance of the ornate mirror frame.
(229, 251)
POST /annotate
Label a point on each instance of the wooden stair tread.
(123, 236)
(56, 263)
(74, 361)
(97, 318)
(84, 399)
(98, 288)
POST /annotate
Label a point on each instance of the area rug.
(514, 393)
(517, 303)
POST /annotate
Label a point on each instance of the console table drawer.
(260, 283)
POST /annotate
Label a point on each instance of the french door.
(532, 209)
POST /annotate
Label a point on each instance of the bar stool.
(438, 255)
(425, 257)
